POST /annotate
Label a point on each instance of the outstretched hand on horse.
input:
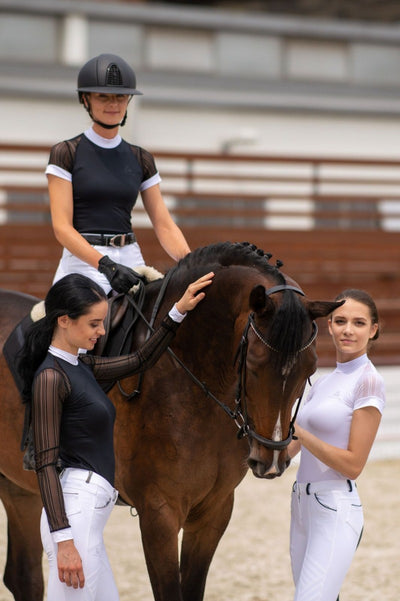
(193, 294)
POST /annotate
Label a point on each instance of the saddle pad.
(13, 346)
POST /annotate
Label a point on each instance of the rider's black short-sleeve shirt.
(105, 182)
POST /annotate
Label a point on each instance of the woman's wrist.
(62, 535)
(176, 315)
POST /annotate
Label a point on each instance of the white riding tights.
(129, 255)
(326, 525)
(88, 506)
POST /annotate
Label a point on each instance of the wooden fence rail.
(334, 222)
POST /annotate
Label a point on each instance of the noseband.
(241, 401)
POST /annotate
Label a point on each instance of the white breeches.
(88, 506)
(129, 255)
(326, 525)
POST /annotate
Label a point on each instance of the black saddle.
(119, 326)
(13, 346)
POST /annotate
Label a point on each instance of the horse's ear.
(259, 301)
(322, 308)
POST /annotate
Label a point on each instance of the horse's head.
(277, 356)
(277, 350)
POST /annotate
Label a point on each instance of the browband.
(283, 287)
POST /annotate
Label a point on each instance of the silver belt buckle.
(120, 238)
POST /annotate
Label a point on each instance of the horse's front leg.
(202, 533)
(23, 573)
(159, 527)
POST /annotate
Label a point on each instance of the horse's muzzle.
(266, 464)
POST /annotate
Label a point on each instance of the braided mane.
(286, 329)
(232, 253)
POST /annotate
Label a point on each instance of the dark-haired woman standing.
(73, 422)
(335, 428)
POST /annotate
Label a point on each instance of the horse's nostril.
(251, 463)
(257, 467)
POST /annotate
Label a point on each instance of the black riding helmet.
(106, 74)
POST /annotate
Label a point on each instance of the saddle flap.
(119, 329)
(117, 307)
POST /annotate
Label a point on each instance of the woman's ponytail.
(37, 341)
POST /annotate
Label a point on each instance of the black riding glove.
(120, 277)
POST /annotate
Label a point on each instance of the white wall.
(276, 133)
(167, 128)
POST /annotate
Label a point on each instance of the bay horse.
(186, 441)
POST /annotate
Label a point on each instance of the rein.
(136, 392)
(129, 396)
(240, 415)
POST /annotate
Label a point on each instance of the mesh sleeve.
(146, 161)
(49, 392)
(370, 391)
(63, 154)
(109, 368)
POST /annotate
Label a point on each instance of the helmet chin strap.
(105, 125)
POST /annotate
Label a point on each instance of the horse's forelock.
(287, 329)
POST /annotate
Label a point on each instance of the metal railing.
(234, 191)
(333, 222)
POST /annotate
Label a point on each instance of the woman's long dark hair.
(73, 295)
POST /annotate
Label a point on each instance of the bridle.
(239, 415)
(271, 348)
(241, 399)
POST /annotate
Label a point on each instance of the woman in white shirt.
(335, 430)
